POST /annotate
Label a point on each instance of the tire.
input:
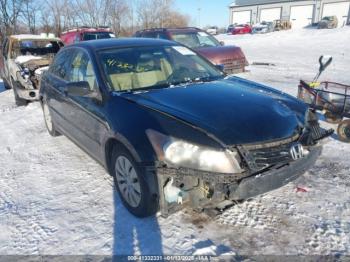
(131, 185)
(344, 131)
(50, 126)
(332, 118)
(18, 100)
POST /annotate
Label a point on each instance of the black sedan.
(172, 129)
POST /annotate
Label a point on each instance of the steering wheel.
(178, 75)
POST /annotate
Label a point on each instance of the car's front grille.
(232, 66)
(260, 157)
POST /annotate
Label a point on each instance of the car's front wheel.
(131, 184)
(50, 126)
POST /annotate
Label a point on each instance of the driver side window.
(82, 69)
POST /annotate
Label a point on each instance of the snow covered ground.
(54, 199)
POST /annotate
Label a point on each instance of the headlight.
(185, 154)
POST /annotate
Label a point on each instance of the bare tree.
(9, 13)
(92, 12)
(176, 19)
(119, 15)
(159, 13)
(58, 15)
(30, 14)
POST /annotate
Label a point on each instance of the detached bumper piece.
(312, 131)
(205, 191)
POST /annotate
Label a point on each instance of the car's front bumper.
(231, 187)
(28, 94)
(275, 178)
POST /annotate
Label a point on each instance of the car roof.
(173, 29)
(121, 42)
(87, 29)
(33, 37)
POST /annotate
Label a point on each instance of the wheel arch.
(116, 142)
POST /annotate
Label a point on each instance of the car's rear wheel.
(131, 184)
(50, 126)
(344, 131)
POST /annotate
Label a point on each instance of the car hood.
(232, 110)
(219, 54)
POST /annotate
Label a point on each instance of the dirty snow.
(54, 199)
(41, 70)
(25, 58)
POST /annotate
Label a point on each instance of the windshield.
(195, 39)
(154, 67)
(97, 35)
(37, 47)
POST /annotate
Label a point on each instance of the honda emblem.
(297, 151)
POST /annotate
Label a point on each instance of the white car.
(213, 30)
(263, 28)
(24, 59)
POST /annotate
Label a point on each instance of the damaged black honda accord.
(172, 129)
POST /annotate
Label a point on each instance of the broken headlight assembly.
(180, 153)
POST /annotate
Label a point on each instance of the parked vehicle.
(86, 33)
(240, 29)
(172, 129)
(230, 57)
(263, 28)
(328, 22)
(213, 30)
(24, 59)
(281, 24)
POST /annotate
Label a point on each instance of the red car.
(239, 29)
(231, 58)
(85, 33)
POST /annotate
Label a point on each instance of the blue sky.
(213, 12)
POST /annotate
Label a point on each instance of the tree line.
(124, 17)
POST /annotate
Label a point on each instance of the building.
(300, 12)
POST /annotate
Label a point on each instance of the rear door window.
(81, 69)
(60, 65)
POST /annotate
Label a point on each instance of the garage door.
(341, 10)
(301, 16)
(270, 14)
(241, 17)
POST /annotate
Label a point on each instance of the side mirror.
(222, 43)
(81, 88)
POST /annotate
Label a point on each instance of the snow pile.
(295, 54)
(55, 199)
(25, 58)
(41, 70)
